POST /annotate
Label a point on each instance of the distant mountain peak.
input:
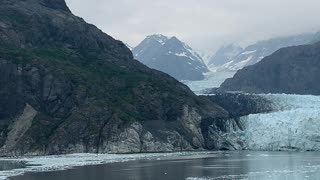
(174, 38)
(233, 58)
(225, 54)
(289, 70)
(158, 38)
(170, 55)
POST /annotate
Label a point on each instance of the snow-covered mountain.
(205, 56)
(171, 56)
(256, 52)
(224, 55)
(290, 70)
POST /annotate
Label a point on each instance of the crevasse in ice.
(294, 125)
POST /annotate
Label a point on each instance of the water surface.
(218, 165)
(6, 165)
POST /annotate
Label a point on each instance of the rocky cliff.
(219, 135)
(66, 87)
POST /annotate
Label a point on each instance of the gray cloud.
(204, 24)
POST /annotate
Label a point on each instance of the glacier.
(212, 80)
(293, 125)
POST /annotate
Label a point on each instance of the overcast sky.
(203, 24)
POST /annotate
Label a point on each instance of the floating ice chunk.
(63, 162)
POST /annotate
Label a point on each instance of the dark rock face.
(66, 87)
(56, 4)
(52, 115)
(52, 4)
(238, 105)
(292, 70)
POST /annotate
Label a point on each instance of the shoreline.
(50, 163)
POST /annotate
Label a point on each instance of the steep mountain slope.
(205, 56)
(316, 38)
(129, 47)
(171, 56)
(292, 70)
(224, 55)
(66, 87)
(256, 52)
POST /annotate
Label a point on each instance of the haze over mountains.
(224, 55)
(172, 56)
(157, 51)
(233, 58)
(166, 54)
(291, 70)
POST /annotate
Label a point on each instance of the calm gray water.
(9, 165)
(227, 165)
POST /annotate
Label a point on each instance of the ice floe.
(63, 162)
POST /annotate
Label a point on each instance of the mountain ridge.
(256, 52)
(291, 70)
(224, 55)
(167, 53)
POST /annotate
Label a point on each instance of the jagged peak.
(157, 36)
(53, 4)
(174, 40)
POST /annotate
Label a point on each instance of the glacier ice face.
(212, 80)
(295, 125)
